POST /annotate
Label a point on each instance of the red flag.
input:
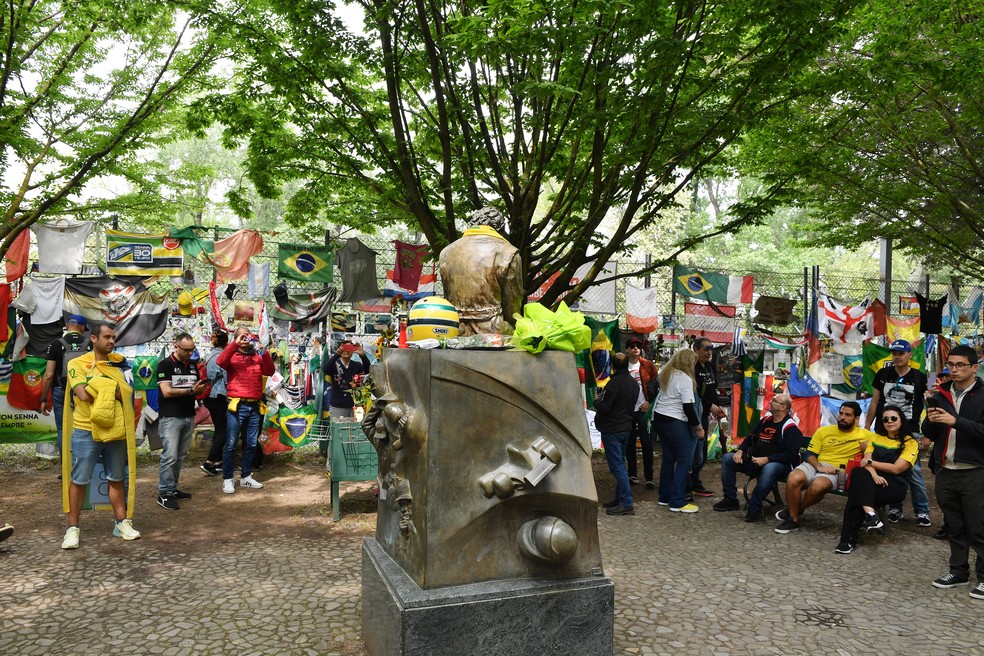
(4, 304)
(409, 264)
(24, 392)
(879, 318)
(806, 413)
(16, 257)
(216, 310)
(232, 254)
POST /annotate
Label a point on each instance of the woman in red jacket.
(246, 364)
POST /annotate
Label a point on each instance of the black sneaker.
(783, 515)
(923, 520)
(611, 504)
(634, 480)
(178, 494)
(787, 526)
(872, 523)
(844, 548)
(210, 469)
(727, 504)
(895, 516)
(754, 516)
(621, 510)
(950, 581)
(168, 502)
(978, 591)
(651, 484)
(689, 498)
(941, 534)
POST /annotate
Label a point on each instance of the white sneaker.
(71, 540)
(228, 485)
(250, 482)
(124, 529)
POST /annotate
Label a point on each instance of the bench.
(774, 498)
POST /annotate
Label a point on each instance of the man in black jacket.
(613, 418)
(709, 405)
(955, 425)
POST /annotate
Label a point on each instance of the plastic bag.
(540, 328)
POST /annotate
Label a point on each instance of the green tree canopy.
(894, 149)
(85, 85)
(561, 113)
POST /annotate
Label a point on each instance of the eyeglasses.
(888, 419)
(185, 350)
(959, 365)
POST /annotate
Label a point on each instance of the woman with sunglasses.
(881, 480)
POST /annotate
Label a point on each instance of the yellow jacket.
(108, 416)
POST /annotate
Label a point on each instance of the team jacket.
(969, 427)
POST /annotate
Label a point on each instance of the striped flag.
(426, 287)
(738, 342)
(135, 254)
(712, 287)
(641, 311)
(139, 315)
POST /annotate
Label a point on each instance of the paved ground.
(699, 584)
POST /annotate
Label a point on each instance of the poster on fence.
(24, 426)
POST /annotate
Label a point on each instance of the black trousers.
(960, 493)
(863, 491)
(640, 430)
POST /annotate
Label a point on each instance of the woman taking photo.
(677, 422)
(881, 479)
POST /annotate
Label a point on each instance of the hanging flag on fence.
(877, 357)
(785, 346)
(231, 256)
(24, 392)
(713, 287)
(144, 369)
(426, 287)
(307, 263)
(715, 322)
(258, 280)
(907, 329)
(135, 254)
(842, 322)
(641, 310)
(307, 307)
(15, 261)
(295, 424)
(138, 314)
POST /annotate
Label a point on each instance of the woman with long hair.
(677, 422)
(881, 479)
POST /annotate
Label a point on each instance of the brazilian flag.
(145, 372)
(877, 357)
(307, 263)
(296, 424)
(596, 360)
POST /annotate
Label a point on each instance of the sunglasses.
(890, 418)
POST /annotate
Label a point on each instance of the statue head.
(489, 216)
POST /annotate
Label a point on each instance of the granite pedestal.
(516, 616)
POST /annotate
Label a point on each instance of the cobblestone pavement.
(685, 584)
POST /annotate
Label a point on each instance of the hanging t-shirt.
(49, 297)
(409, 264)
(931, 314)
(61, 245)
(40, 335)
(358, 265)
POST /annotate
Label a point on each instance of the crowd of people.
(874, 456)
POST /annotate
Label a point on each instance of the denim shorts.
(86, 452)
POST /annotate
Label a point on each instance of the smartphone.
(932, 401)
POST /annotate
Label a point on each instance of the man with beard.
(830, 449)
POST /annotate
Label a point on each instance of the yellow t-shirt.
(80, 371)
(886, 449)
(835, 447)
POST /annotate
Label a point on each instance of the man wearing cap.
(901, 385)
(709, 405)
(644, 372)
(72, 344)
(177, 379)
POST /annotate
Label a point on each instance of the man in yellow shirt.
(101, 362)
(830, 448)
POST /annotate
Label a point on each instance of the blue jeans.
(176, 439)
(614, 444)
(57, 407)
(677, 438)
(767, 477)
(85, 455)
(640, 429)
(248, 415)
(917, 488)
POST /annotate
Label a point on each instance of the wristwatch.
(868, 464)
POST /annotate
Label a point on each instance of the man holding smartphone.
(955, 425)
(177, 379)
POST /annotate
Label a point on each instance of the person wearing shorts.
(85, 451)
(831, 447)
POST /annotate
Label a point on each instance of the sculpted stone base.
(517, 616)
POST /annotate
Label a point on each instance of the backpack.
(72, 351)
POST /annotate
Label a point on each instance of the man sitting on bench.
(830, 448)
(769, 452)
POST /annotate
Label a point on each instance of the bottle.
(841, 479)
